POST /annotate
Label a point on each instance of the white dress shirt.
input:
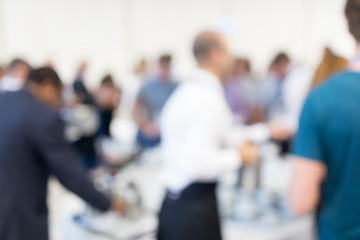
(199, 139)
(10, 84)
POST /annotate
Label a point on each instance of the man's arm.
(62, 162)
(310, 164)
(258, 133)
(203, 155)
(145, 125)
(138, 115)
(305, 185)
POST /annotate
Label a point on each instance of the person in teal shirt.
(327, 150)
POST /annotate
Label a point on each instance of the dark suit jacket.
(32, 147)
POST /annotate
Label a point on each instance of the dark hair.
(244, 61)
(45, 75)
(165, 59)
(352, 13)
(204, 44)
(280, 58)
(108, 80)
(16, 63)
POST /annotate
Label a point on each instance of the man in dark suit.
(32, 147)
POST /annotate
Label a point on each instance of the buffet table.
(68, 221)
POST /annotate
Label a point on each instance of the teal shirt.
(329, 132)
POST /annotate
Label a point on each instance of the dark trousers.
(285, 146)
(191, 216)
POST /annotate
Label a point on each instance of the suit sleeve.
(62, 162)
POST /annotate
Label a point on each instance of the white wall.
(67, 31)
(113, 34)
(2, 37)
(300, 27)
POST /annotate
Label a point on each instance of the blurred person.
(296, 82)
(240, 90)
(140, 68)
(271, 100)
(15, 75)
(271, 90)
(200, 144)
(291, 85)
(85, 105)
(49, 63)
(32, 148)
(107, 98)
(132, 86)
(329, 65)
(80, 88)
(150, 101)
(1, 72)
(327, 149)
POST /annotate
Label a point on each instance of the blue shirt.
(329, 132)
(154, 95)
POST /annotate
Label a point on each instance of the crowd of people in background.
(191, 119)
(278, 95)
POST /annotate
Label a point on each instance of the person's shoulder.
(34, 113)
(333, 82)
(187, 89)
(190, 98)
(20, 99)
(4, 96)
(12, 94)
(144, 88)
(201, 96)
(38, 113)
(174, 83)
(323, 94)
(149, 83)
(338, 76)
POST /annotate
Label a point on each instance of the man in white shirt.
(15, 76)
(200, 143)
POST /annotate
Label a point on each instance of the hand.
(151, 130)
(249, 153)
(118, 205)
(279, 132)
(111, 159)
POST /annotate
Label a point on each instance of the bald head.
(205, 43)
(212, 54)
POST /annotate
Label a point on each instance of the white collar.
(207, 78)
(10, 84)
